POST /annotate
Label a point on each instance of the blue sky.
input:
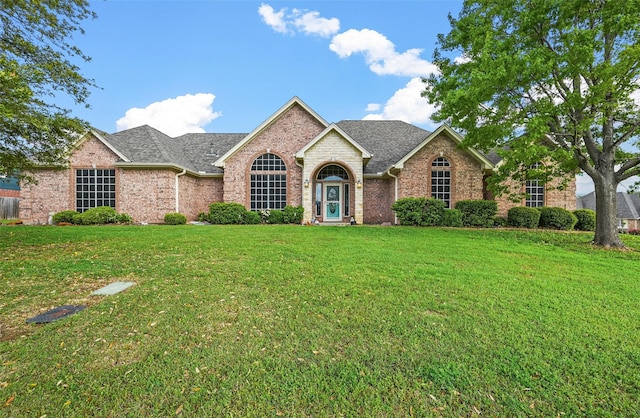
(226, 66)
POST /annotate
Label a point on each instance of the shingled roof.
(195, 152)
(387, 140)
(628, 205)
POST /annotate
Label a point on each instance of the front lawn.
(318, 321)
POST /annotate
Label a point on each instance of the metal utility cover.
(113, 288)
(55, 314)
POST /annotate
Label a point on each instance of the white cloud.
(407, 105)
(307, 22)
(373, 107)
(312, 23)
(174, 117)
(274, 19)
(380, 54)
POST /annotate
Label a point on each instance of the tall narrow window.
(441, 180)
(268, 183)
(535, 190)
(95, 187)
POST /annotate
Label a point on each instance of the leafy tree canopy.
(547, 80)
(36, 69)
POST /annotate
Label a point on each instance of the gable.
(446, 132)
(293, 103)
(334, 140)
(93, 150)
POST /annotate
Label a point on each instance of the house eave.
(165, 166)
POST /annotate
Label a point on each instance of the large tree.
(546, 80)
(37, 73)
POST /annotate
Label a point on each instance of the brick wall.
(553, 197)
(378, 197)
(466, 172)
(284, 137)
(197, 193)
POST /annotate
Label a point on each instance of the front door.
(332, 202)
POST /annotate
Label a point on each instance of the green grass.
(318, 321)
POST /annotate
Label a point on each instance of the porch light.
(306, 183)
(359, 184)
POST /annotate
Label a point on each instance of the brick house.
(336, 171)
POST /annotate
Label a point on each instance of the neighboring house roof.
(9, 183)
(628, 205)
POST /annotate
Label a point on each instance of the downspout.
(301, 172)
(184, 171)
(395, 198)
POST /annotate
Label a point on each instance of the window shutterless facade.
(441, 180)
(268, 186)
(95, 187)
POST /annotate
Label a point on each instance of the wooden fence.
(9, 208)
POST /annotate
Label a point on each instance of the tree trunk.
(606, 212)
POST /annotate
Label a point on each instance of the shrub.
(124, 218)
(419, 211)
(478, 213)
(557, 218)
(292, 214)
(252, 218)
(203, 217)
(99, 215)
(452, 218)
(226, 213)
(499, 221)
(586, 220)
(523, 217)
(174, 218)
(276, 217)
(64, 216)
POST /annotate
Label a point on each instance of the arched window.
(535, 190)
(441, 180)
(268, 183)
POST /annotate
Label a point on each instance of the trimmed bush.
(557, 218)
(97, 216)
(523, 217)
(64, 216)
(452, 218)
(586, 220)
(292, 214)
(226, 213)
(174, 218)
(252, 218)
(276, 217)
(499, 222)
(477, 213)
(419, 211)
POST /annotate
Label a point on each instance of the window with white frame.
(95, 187)
(268, 183)
(441, 180)
(535, 190)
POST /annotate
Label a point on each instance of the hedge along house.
(336, 171)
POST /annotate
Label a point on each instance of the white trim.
(108, 145)
(220, 162)
(446, 129)
(333, 127)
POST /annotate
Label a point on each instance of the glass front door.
(332, 202)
